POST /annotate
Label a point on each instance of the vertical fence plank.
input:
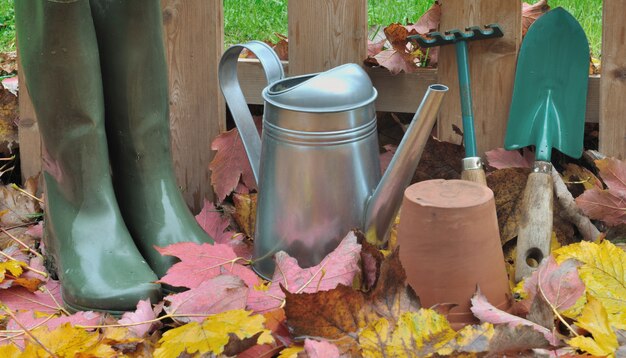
(326, 33)
(194, 36)
(28, 132)
(492, 69)
(613, 80)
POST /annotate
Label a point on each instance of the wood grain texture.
(194, 39)
(535, 227)
(326, 33)
(492, 69)
(475, 175)
(396, 93)
(613, 81)
(28, 132)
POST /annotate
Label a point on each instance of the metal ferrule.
(471, 163)
(542, 167)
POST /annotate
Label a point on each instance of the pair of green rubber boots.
(97, 75)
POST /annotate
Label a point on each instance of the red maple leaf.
(339, 267)
(219, 294)
(607, 205)
(200, 262)
(230, 164)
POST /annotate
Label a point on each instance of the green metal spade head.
(550, 94)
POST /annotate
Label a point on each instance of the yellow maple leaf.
(374, 337)
(602, 271)
(16, 268)
(291, 352)
(10, 351)
(212, 335)
(426, 331)
(69, 341)
(594, 319)
(474, 338)
(417, 334)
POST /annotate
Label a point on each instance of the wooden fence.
(326, 33)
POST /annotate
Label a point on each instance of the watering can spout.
(384, 203)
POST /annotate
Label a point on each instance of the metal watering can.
(317, 162)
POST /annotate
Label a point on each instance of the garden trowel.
(547, 111)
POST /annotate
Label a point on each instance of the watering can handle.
(229, 83)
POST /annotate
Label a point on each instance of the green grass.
(7, 26)
(246, 20)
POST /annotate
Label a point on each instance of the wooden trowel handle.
(535, 227)
(473, 170)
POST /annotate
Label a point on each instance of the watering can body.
(317, 161)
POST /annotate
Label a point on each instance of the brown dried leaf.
(245, 212)
(338, 313)
(530, 13)
(440, 160)
(9, 117)
(8, 62)
(17, 207)
(334, 314)
(429, 21)
(515, 340)
(508, 186)
(392, 296)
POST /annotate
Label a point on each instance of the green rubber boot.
(86, 239)
(134, 72)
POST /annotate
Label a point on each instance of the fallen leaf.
(473, 338)
(541, 312)
(213, 334)
(334, 315)
(230, 164)
(320, 349)
(33, 319)
(200, 262)
(8, 62)
(530, 13)
(508, 187)
(395, 61)
(578, 179)
(245, 214)
(214, 224)
(594, 319)
(13, 267)
(47, 299)
(429, 21)
(603, 205)
(510, 341)
(501, 158)
(440, 160)
(20, 208)
(613, 174)
(144, 313)
(69, 341)
(338, 267)
(559, 284)
(392, 297)
(486, 312)
(417, 334)
(607, 205)
(9, 117)
(602, 270)
(373, 48)
(215, 295)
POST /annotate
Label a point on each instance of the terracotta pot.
(450, 243)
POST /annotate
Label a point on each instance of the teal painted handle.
(469, 136)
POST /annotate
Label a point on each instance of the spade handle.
(535, 227)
